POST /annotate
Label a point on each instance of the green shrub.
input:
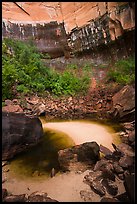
(21, 66)
(123, 71)
(72, 66)
(68, 83)
(23, 72)
(22, 88)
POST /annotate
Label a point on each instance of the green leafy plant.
(123, 71)
(72, 66)
(45, 56)
(24, 73)
(21, 68)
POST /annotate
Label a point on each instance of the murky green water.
(39, 160)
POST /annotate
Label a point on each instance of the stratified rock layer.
(65, 28)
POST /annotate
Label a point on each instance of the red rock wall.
(49, 38)
(74, 14)
(87, 24)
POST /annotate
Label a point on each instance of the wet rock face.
(49, 38)
(89, 25)
(18, 133)
(98, 34)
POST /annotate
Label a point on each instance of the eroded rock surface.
(18, 133)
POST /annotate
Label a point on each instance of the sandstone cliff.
(87, 24)
(72, 13)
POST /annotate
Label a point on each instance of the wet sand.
(63, 187)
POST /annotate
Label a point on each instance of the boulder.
(73, 158)
(15, 198)
(103, 163)
(129, 183)
(108, 174)
(123, 108)
(123, 197)
(93, 179)
(97, 187)
(131, 136)
(121, 176)
(117, 168)
(111, 188)
(105, 150)
(128, 126)
(4, 193)
(106, 167)
(8, 102)
(126, 161)
(88, 151)
(39, 109)
(4, 163)
(92, 176)
(40, 197)
(107, 199)
(12, 108)
(19, 132)
(126, 149)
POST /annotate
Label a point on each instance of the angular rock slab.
(124, 104)
(19, 132)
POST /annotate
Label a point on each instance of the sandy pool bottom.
(66, 187)
(63, 188)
